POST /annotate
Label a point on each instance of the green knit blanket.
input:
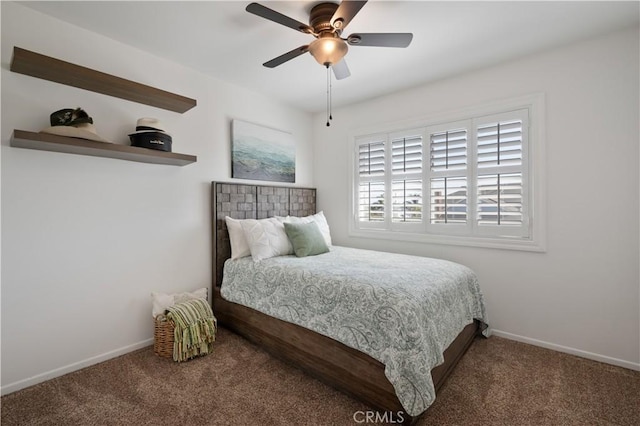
(195, 328)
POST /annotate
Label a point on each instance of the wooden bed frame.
(328, 360)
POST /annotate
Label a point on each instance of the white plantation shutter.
(371, 180)
(448, 180)
(449, 200)
(407, 201)
(371, 159)
(406, 177)
(406, 153)
(501, 174)
(500, 199)
(500, 144)
(371, 202)
(449, 150)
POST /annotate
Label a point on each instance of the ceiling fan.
(326, 23)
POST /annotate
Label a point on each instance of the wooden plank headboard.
(246, 201)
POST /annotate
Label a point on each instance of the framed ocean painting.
(262, 153)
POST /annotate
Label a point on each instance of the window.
(406, 177)
(462, 181)
(448, 177)
(371, 186)
(502, 178)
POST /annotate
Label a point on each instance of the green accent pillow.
(306, 238)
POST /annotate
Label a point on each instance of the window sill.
(468, 241)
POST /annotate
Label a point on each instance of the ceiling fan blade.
(286, 57)
(341, 70)
(272, 15)
(380, 39)
(345, 13)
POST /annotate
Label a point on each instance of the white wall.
(581, 295)
(85, 240)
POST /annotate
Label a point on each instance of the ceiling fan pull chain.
(328, 95)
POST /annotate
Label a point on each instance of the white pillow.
(266, 238)
(239, 245)
(319, 219)
(162, 301)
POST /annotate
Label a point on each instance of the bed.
(340, 365)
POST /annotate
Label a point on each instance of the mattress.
(402, 310)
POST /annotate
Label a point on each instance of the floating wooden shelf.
(47, 142)
(52, 69)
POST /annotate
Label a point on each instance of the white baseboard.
(12, 387)
(567, 350)
(39, 378)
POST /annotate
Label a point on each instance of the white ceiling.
(221, 39)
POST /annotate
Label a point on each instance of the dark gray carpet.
(498, 382)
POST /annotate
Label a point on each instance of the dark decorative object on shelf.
(74, 123)
(150, 133)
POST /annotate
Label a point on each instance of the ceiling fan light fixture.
(328, 50)
(327, 20)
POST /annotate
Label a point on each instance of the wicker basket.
(163, 337)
